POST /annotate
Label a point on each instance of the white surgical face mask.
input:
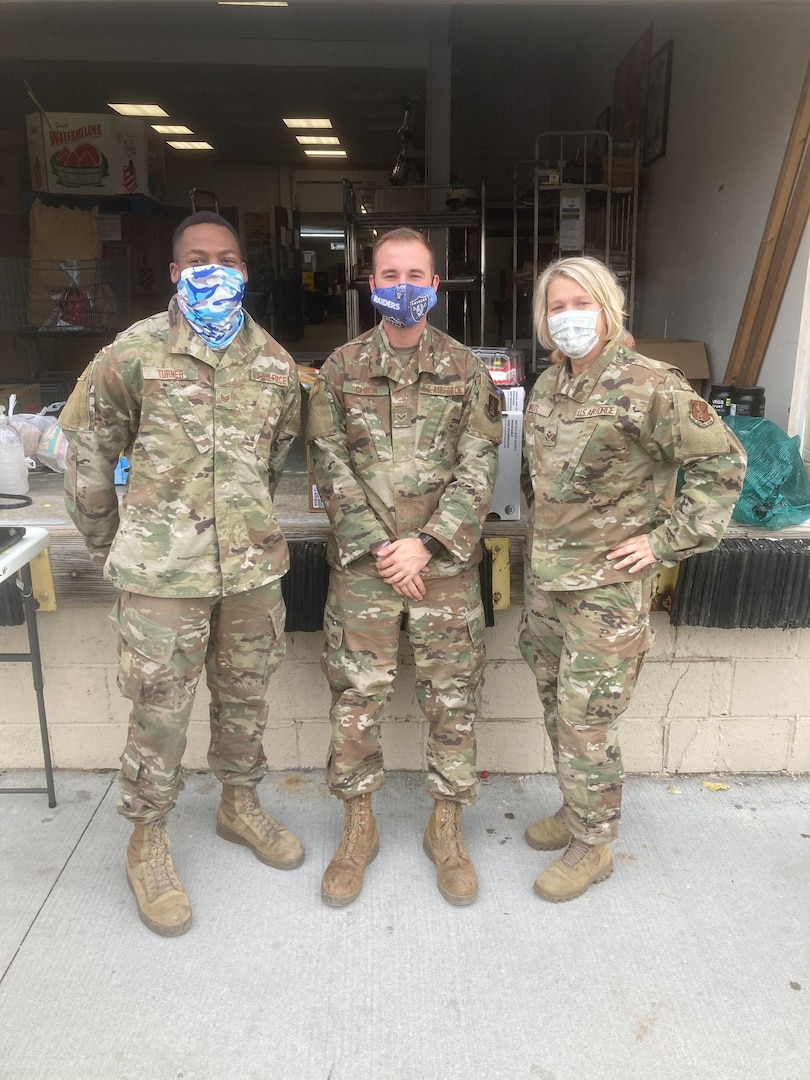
(574, 332)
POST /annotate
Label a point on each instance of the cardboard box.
(690, 356)
(29, 397)
(95, 154)
(12, 172)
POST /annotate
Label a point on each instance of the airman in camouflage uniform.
(404, 426)
(196, 552)
(604, 437)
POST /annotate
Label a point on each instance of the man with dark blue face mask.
(404, 426)
(205, 404)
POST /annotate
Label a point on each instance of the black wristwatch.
(431, 543)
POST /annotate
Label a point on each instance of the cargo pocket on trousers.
(145, 653)
(332, 629)
(476, 624)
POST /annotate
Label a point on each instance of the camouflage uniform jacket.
(601, 456)
(206, 433)
(397, 453)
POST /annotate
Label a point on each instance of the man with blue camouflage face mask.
(404, 426)
(205, 404)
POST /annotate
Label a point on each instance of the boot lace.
(260, 821)
(354, 827)
(576, 851)
(162, 875)
(449, 833)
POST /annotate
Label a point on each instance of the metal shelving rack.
(457, 235)
(581, 164)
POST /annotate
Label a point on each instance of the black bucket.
(720, 398)
(748, 401)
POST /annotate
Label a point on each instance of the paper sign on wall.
(572, 223)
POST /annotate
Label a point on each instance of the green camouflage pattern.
(395, 452)
(206, 433)
(586, 648)
(601, 456)
(362, 630)
(163, 645)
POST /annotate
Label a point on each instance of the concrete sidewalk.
(692, 961)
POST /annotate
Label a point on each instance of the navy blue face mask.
(404, 305)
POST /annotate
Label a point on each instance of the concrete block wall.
(708, 700)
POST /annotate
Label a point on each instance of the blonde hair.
(403, 235)
(592, 276)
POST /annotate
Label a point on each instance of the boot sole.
(159, 928)
(347, 898)
(537, 846)
(563, 899)
(228, 834)
(451, 898)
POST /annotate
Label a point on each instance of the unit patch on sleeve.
(701, 413)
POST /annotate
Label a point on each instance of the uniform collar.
(581, 387)
(183, 339)
(384, 361)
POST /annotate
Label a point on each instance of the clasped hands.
(400, 563)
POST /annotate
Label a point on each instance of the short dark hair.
(203, 217)
(403, 235)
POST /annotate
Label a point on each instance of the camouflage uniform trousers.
(446, 631)
(163, 645)
(586, 648)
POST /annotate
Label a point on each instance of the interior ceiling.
(238, 110)
(237, 107)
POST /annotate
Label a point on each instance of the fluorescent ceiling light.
(308, 123)
(318, 140)
(190, 145)
(325, 153)
(171, 129)
(252, 3)
(138, 110)
(318, 232)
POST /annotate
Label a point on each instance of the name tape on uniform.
(165, 373)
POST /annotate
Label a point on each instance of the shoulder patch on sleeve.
(320, 419)
(76, 415)
(701, 429)
(485, 410)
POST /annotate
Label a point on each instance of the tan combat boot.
(579, 866)
(549, 833)
(455, 873)
(242, 819)
(359, 845)
(162, 902)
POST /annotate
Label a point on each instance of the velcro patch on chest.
(277, 378)
(538, 408)
(442, 389)
(595, 410)
(166, 374)
(366, 389)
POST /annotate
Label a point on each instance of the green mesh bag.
(776, 492)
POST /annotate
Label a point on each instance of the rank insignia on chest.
(701, 413)
(493, 409)
(550, 436)
(402, 417)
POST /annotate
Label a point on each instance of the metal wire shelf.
(71, 297)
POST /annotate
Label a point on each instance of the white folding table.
(18, 557)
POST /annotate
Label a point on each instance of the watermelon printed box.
(95, 154)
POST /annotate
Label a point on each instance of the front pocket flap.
(144, 635)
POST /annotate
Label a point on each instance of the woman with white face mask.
(606, 431)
